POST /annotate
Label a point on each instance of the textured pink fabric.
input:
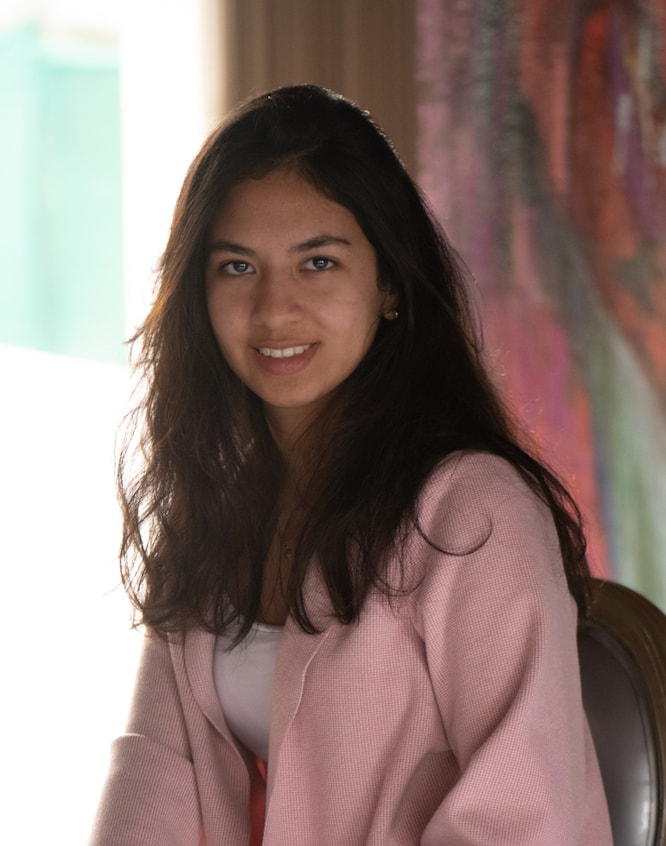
(452, 716)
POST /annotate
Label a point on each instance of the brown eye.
(319, 263)
(237, 267)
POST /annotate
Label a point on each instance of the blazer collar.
(296, 653)
(199, 647)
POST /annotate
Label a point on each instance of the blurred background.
(538, 133)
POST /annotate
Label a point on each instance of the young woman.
(349, 570)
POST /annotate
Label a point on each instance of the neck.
(290, 429)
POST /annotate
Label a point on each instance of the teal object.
(61, 282)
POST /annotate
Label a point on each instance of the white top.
(243, 679)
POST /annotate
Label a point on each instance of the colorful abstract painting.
(542, 148)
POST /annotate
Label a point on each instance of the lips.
(284, 360)
(286, 352)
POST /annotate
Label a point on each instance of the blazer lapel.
(297, 651)
(295, 656)
(198, 653)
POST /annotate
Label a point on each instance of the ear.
(390, 306)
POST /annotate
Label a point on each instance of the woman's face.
(292, 293)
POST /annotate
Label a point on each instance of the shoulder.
(478, 518)
(485, 554)
(470, 473)
(469, 491)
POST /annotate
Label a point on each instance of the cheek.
(357, 330)
(224, 327)
(223, 313)
(355, 310)
(369, 314)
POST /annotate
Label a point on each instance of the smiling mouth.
(288, 352)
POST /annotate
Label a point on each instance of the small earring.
(391, 315)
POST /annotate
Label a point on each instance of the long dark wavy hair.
(200, 503)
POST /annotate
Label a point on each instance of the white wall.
(69, 654)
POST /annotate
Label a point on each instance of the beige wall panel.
(363, 49)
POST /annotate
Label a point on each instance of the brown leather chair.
(622, 648)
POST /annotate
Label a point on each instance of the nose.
(276, 301)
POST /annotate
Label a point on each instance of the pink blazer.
(451, 716)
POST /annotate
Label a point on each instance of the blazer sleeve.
(499, 628)
(150, 796)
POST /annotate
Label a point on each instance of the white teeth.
(285, 353)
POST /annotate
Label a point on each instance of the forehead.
(279, 199)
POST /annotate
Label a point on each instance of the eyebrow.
(319, 241)
(222, 246)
